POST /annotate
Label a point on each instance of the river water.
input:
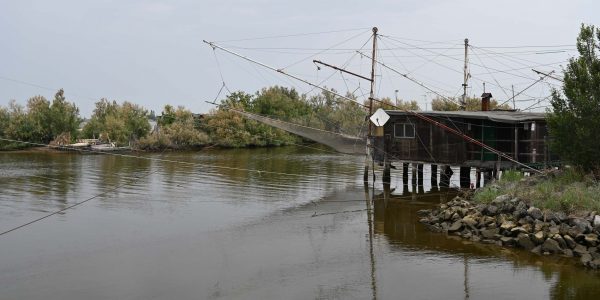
(278, 223)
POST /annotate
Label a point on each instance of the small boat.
(94, 146)
(108, 147)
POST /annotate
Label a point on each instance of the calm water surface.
(202, 226)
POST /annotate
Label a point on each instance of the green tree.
(38, 111)
(63, 116)
(387, 103)
(20, 127)
(472, 104)
(574, 122)
(119, 123)
(4, 119)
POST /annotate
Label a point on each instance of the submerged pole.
(445, 176)
(405, 173)
(386, 178)
(434, 182)
(465, 177)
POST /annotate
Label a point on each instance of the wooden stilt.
(386, 178)
(445, 176)
(420, 184)
(414, 174)
(465, 177)
(434, 180)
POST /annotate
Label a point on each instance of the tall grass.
(569, 190)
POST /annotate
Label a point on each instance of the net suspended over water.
(338, 141)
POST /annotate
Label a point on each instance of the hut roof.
(501, 116)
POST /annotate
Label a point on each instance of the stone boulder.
(580, 250)
(508, 241)
(581, 224)
(535, 213)
(551, 246)
(570, 241)
(500, 200)
(469, 221)
(586, 259)
(456, 226)
(539, 237)
(490, 210)
(556, 217)
(525, 242)
(591, 239)
(507, 225)
(561, 242)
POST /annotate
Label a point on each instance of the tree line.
(58, 122)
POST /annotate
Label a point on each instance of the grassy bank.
(569, 190)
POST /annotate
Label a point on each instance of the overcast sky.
(151, 52)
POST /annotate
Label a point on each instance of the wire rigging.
(293, 35)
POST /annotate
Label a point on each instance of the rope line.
(75, 204)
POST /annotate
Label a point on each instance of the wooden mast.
(369, 153)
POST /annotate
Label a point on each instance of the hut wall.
(433, 144)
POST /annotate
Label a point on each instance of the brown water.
(201, 226)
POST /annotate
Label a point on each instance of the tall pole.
(371, 97)
(465, 75)
(512, 86)
(372, 92)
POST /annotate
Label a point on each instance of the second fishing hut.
(415, 137)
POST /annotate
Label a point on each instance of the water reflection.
(396, 219)
(203, 224)
(50, 179)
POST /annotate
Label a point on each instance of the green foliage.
(63, 116)
(569, 190)
(574, 122)
(229, 129)
(388, 104)
(39, 122)
(118, 123)
(472, 104)
(330, 113)
(177, 129)
(511, 176)
(487, 194)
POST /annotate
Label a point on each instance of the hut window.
(404, 130)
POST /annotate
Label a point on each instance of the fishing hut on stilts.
(489, 141)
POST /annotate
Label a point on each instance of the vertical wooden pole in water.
(487, 176)
(386, 178)
(465, 177)
(434, 175)
(366, 173)
(445, 176)
(405, 173)
(414, 174)
(420, 176)
(420, 185)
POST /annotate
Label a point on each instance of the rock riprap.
(511, 222)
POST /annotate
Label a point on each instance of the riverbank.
(499, 214)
